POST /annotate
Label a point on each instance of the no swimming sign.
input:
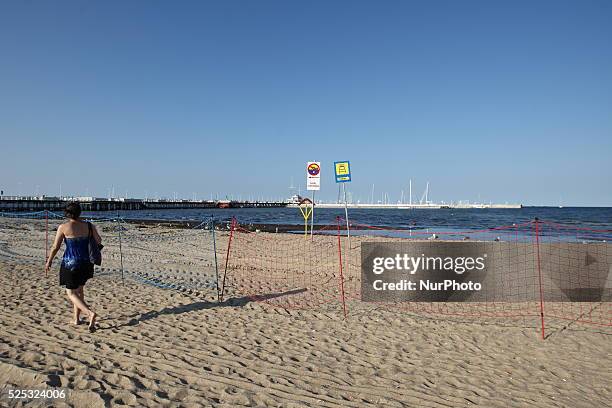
(313, 176)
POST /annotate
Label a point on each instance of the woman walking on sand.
(76, 267)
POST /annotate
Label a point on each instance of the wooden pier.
(23, 204)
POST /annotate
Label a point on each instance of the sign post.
(313, 183)
(312, 217)
(342, 171)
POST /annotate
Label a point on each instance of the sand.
(163, 340)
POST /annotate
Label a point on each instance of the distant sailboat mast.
(410, 192)
(425, 196)
(372, 193)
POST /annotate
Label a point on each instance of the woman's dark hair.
(73, 211)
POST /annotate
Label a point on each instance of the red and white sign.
(313, 176)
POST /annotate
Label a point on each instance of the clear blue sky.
(509, 101)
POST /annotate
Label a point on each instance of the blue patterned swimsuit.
(76, 253)
(76, 267)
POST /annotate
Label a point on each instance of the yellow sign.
(343, 171)
(342, 168)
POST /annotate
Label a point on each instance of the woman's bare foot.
(77, 322)
(92, 322)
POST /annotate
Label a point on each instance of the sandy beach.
(306, 204)
(163, 340)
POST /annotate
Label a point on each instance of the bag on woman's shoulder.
(95, 256)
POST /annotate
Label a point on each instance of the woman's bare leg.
(77, 311)
(76, 314)
(81, 305)
(92, 319)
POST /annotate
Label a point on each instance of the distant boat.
(224, 204)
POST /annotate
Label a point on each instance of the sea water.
(455, 219)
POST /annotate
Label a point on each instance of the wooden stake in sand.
(229, 246)
(120, 250)
(212, 223)
(46, 239)
(537, 234)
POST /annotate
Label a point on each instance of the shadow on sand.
(196, 306)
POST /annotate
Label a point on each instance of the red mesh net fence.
(541, 274)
